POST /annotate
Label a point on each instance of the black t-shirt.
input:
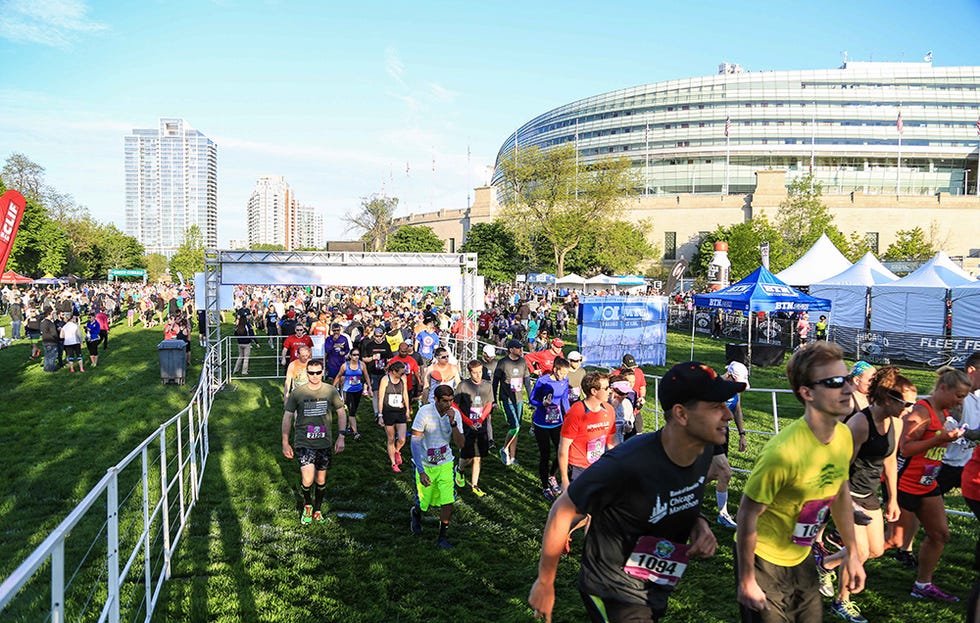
(508, 375)
(368, 348)
(635, 490)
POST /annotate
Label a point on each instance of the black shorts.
(74, 351)
(869, 503)
(608, 611)
(792, 593)
(722, 448)
(93, 347)
(475, 443)
(949, 478)
(319, 458)
(912, 501)
(390, 418)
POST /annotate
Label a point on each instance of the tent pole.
(749, 362)
(694, 314)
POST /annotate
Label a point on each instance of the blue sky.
(341, 98)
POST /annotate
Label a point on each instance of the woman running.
(393, 402)
(350, 379)
(922, 447)
(550, 400)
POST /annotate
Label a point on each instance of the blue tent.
(759, 292)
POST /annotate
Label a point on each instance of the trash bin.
(173, 361)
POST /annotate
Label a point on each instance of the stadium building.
(893, 144)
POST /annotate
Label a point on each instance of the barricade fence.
(108, 559)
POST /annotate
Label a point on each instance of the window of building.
(871, 238)
(670, 245)
(452, 245)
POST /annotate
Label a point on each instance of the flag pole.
(728, 151)
(898, 173)
(646, 185)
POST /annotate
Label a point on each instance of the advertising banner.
(12, 206)
(611, 326)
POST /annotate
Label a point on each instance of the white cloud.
(393, 64)
(441, 93)
(54, 23)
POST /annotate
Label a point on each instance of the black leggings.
(546, 438)
(352, 400)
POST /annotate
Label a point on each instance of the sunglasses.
(314, 372)
(897, 398)
(443, 357)
(355, 354)
(831, 382)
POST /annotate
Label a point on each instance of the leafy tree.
(802, 218)
(743, 248)
(613, 247)
(40, 246)
(117, 250)
(415, 239)
(375, 219)
(498, 258)
(24, 175)
(267, 247)
(909, 245)
(156, 265)
(189, 258)
(550, 199)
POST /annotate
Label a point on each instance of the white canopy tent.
(571, 280)
(822, 261)
(600, 282)
(917, 303)
(849, 290)
(966, 309)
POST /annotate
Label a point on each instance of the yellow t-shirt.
(796, 477)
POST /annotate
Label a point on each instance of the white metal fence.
(108, 560)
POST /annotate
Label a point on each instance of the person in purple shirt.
(336, 347)
(550, 401)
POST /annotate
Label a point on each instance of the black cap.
(693, 380)
(335, 327)
(629, 361)
(515, 344)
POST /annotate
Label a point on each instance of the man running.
(589, 428)
(511, 381)
(643, 530)
(308, 408)
(800, 473)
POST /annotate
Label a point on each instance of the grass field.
(247, 558)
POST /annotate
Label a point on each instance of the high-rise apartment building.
(171, 184)
(276, 218)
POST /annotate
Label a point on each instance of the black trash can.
(173, 361)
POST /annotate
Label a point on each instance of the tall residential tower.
(276, 218)
(171, 184)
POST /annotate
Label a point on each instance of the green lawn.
(246, 557)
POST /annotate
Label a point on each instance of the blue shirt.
(553, 415)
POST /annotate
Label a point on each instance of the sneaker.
(549, 494)
(395, 468)
(443, 543)
(906, 558)
(357, 436)
(833, 537)
(398, 458)
(318, 518)
(725, 520)
(491, 444)
(416, 523)
(460, 479)
(931, 591)
(848, 611)
(825, 577)
(478, 492)
(307, 515)
(555, 487)
(504, 457)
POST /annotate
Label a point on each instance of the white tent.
(966, 310)
(822, 261)
(917, 303)
(849, 290)
(571, 280)
(600, 282)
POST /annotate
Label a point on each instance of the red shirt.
(590, 432)
(293, 342)
(411, 369)
(971, 476)
(541, 362)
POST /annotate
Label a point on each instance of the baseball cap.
(574, 356)
(407, 342)
(379, 331)
(335, 327)
(693, 380)
(739, 372)
(623, 387)
(557, 343)
(629, 361)
(515, 344)
(489, 350)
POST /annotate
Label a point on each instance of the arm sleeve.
(417, 453)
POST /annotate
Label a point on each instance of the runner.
(375, 354)
(643, 530)
(308, 408)
(589, 429)
(474, 398)
(576, 374)
(862, 373)
(394, 411)
(296, 371)
(550, 399)
(540, 363)
(800, 473)
(441, 372)
(511, 382)
(351, 381)
(721, 469)
(620, 390)
(432, 457)
(336, 346)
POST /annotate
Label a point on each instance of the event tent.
(12, 278)
(966, 310)
(917, 302)
(848, 291)
(822, 261)
(600, 282)
(50, 280)
(570, 280)
(759, 292)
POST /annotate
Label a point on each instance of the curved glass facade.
(840, 123)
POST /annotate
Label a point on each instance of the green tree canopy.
(611, 246)
(498, 258)
(551, 199)
(40, 246)
(156, 265)
(189, 258)
(415, 239)
(374, 218)
(743, 248)
(910, 245)
(23, 175)
(802, 218)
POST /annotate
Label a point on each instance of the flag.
(898, 123)
(978, 126)
(12, 207)
(728, 125)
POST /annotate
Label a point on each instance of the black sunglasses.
(831, 382)
(314, 372)
(897, 398)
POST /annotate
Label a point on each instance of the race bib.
(594, 449)
(812, 516)
(929, 475)
(516, 384)
(475, 414)
(395, 401)
(552, 415)
(316, 432)
(575, 391)
(436, 455)
(657, 560)
(936, 453)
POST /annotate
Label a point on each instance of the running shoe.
(825, 577)
(555, 487)
(833, 537)
(478, 492)
(395, 468)
(549, 494)
(307, 515)
(504, 457)
(906, 558)
(725, 520)
(398, 458)
(443, 543)
(491, 444)
(931, 591)
(416, 523)
(357, 436)
(458, 476)
(848, 611)
(318, 518)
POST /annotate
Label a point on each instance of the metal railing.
(112, 566)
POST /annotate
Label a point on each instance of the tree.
(40, 246)
(415, 239)
(189, 258)
(117, 250)
(910, 245)
(375, 218)
(551, 199)
(744, 253)
(498, 258)
(267, 247)
(613, 247)
(156, 265)
(802, 218)
(24, 175)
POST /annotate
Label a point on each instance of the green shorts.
(441, 489)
